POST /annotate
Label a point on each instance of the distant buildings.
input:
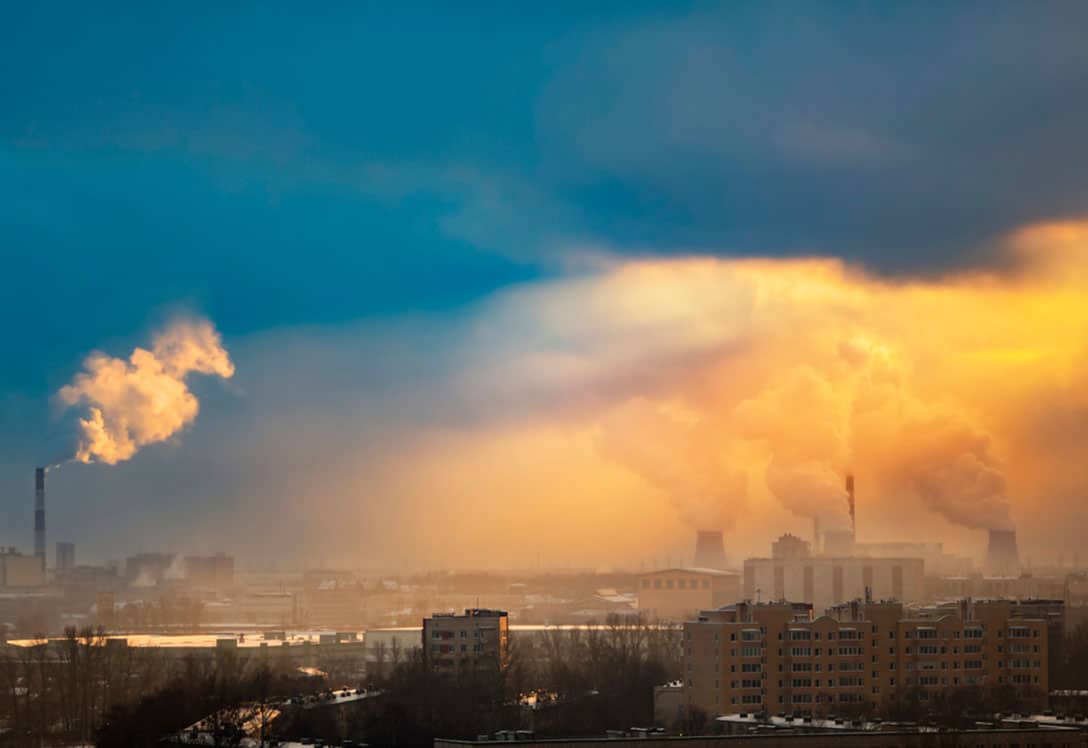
(19, 571)
(66, 558)
(215, 571)
(475, 641)
(676, 594)
(794, 574)
(861, 656)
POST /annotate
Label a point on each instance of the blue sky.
(276, 165)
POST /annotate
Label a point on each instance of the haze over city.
(392, 289)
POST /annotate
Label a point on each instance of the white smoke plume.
(805, 424)
(949, 465)
(124, 405)
(678, 455)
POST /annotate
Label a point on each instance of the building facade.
(476, 641)
(829, 581)
(676, 594)
(861, 657)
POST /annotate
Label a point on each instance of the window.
(851, 651)
(801, 651)
(972, 633)
(645, 584)
(750, 667)
(751, 635)
(751, 651)
(801, 682)
(669, 583)
(751, 698)
(801, 667)
(706, 584)
(927, 633)
(682, 583)
(750, 683)
(657, 584)
(849, 682)
(798, 635)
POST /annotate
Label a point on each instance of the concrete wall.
(968, 739)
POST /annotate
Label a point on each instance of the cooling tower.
(1002, 558)
(39, 514)
(709, 550)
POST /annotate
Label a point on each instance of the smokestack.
(850, 502)
(709, 550)
(815, 534)
(1002, 558)
(39, 515)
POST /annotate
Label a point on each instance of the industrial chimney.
(1002, 558)
(709, 550)
(39, 515)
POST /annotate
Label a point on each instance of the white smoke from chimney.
(678, 454)
(805, 424)
(124, 405)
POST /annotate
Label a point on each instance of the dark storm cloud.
(906, 137)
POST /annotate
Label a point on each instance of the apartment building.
(476, 641)
(676, 594)
(861, 656)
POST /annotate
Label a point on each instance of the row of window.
(681, 584)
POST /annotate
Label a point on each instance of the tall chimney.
(709, 549)
(39, 515)
(1002, 557)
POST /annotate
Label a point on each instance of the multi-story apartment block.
(859, 657)
(475, 641)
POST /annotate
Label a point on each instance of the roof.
(693, 570)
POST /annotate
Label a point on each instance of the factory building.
(676, 594)
(476, 641)
(18, 571)
(793, 574)
(861, 656)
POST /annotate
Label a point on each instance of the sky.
(546, 283)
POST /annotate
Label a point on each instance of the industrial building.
(826, 581)
(476, 641)
(19, 571)
(860, 656)
(676, 594)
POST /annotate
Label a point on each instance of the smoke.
(678, 455)
(804, 422)
(121, 406)
(949, 465)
